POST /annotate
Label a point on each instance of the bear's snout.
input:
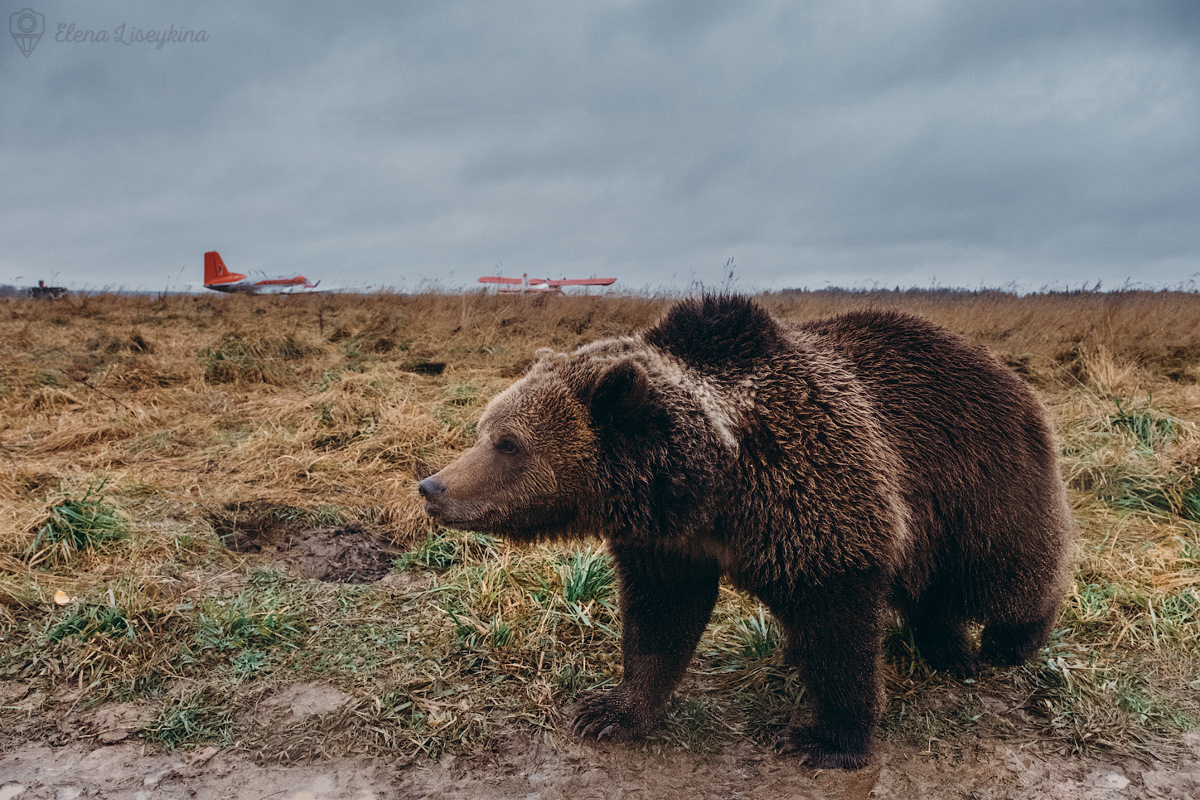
(432, 490)
(430, 487)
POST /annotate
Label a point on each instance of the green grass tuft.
(92, 620)
(1151, 429)
(587, 576)
(248, 621)
(76, 526)
(444, 549)
(758, 634)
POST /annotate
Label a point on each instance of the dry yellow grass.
(176, 410)
(308, 399)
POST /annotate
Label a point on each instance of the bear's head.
(541, 466)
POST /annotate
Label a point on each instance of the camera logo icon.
(27, 27)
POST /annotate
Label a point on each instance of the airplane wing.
(298, 280)
(583, 282)
(542, 284)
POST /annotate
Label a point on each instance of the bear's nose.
(430, 487)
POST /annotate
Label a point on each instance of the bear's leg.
(1020, 609)
(1012, 644)
(665, 605)
(942, 639)
(835, 638)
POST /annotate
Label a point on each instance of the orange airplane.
(527, 285)
(218, 278)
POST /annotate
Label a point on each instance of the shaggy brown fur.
(834, 470)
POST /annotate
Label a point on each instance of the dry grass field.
(209, 533)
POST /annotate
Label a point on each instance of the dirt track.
(533, 771)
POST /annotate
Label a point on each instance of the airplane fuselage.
(218, 278)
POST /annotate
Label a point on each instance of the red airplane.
(527, 285)
(218, 277)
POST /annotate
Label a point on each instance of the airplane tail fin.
(215, 270)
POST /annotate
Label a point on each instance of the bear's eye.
(507, 446)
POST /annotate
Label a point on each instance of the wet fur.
(835, 470)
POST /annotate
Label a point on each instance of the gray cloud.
(1016, 144)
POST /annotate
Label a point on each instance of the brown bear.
(835, 470)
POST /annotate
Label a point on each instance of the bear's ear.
(619, 391)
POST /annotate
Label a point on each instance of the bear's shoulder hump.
(717, 331)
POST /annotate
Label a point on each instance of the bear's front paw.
(611, 716)
(803, 741)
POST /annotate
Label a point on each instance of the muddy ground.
(523, 769)
(95, 753)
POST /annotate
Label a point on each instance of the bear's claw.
(802, 742)
(608, 717)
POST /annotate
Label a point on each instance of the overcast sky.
(1013, 144)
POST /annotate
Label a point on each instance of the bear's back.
(961, 422)
(929, 384)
